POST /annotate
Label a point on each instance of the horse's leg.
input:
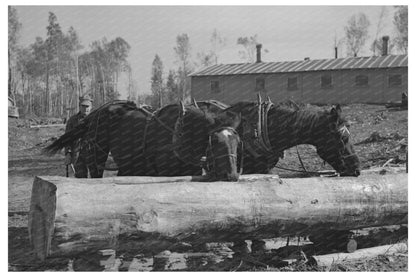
(97, 167)
(96, 158)
(80, 167)
(258, 245)
(262, 165)
(259, 165)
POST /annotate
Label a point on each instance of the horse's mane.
(220, 105)
(168, 108)
(161, 111)
(299, 113)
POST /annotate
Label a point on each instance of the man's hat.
(85, 100)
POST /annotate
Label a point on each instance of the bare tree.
(157, 82)
(249, 48)
(206, 59)
(14, 29)
(356, 33)
(183, 57)
(172, 89)
(380, 26)
(217, 42)
(248, 53)
(400, 22)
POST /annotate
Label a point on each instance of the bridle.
(211, 158)
(344, 131)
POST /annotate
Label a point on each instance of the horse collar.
(260, 145)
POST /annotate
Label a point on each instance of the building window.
(361, 80)
(326, 81)
(395, 80)
(260, 84)
(292, 83)
(215, 87)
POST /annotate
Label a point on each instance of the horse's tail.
(66, 139)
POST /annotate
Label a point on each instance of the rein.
(344, 130)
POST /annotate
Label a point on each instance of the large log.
(68, 215)
(361, 254)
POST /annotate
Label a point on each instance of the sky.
(287, 32)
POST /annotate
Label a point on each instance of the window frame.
(257, 88)
(215, 89)
(331, 85)
(395, 84)
(357, 84)
(295, 87)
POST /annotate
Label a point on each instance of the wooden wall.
(234, 88)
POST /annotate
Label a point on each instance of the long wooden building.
(376, 79)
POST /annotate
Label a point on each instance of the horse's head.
(334, 146)
(223, 145)
(201, 134)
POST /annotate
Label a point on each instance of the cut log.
(361, 254)
(48, 126)
(69, 216)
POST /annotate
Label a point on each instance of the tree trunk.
(30, 96)
(361, 254)
(103, 84)
(23, 92)
(72, 215)
(47, 107)
(77, 79)
(10, 74)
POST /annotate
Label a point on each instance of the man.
(76, 153)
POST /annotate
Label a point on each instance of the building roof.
(388, 61)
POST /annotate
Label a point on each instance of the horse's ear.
(259, 99)
(235, 118)
(194, 102)
(338, 108)
(336, 111)
(181, 108)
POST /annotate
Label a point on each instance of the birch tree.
(356, 33)
(184, 59)
(400, 22)
(13, 35)
(157, 82)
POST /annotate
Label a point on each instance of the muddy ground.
(379, 135)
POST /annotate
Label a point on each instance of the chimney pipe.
(258, 46)
(385, 45)
(336, 52)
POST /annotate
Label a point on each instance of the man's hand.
(68, 159)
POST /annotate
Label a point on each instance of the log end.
(42, 216)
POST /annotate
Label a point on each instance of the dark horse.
(287, 126)
(169, 142)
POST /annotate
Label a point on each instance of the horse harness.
(208, 161)
(175, 132)
(255, 132)
(92, 143)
